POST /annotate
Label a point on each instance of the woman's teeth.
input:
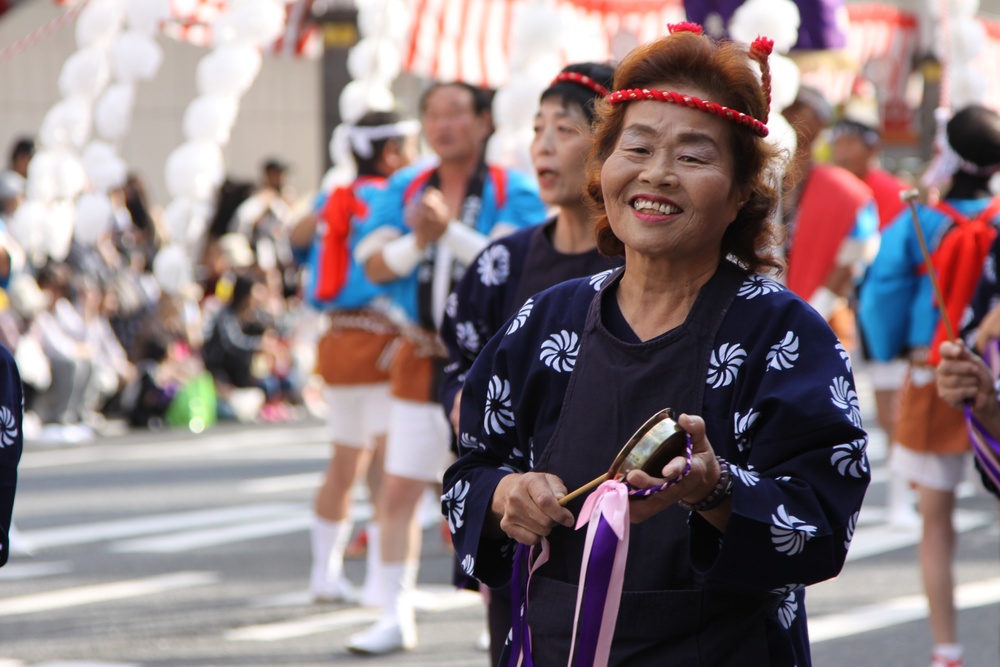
(647, 206)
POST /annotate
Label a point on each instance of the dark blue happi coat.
(503, 276)
(779, 404)
(11, 442)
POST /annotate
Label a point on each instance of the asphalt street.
(170, 549)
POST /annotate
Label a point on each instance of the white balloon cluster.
(115, 46)
(966, 40)
(538, 36)
(373, 63)
(778, 20)
(195, 169)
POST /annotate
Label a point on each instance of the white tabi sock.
(329, 540)
(371, 594)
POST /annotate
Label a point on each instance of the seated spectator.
(241, 349)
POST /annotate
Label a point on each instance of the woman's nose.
(658, 170)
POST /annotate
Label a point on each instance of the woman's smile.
(652, 208)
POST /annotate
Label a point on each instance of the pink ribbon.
(609, 502)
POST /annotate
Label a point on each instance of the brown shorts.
(928, 424)
(411, 376)
(353, 356)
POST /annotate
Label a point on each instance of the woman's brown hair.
(724, 71)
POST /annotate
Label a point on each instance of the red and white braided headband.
(759, 51)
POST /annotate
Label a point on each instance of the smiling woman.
(724, 539)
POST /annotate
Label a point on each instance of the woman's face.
(559, 151)
(668, 183)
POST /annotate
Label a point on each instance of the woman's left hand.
(697, 484)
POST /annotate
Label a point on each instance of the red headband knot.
(684, 26)
(761, 47)
(581, 79)
(632, 94)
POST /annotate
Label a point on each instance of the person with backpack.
(424, 230)
(900, 314)
(352, 353)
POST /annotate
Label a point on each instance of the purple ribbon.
(984, 446)
(599, 575)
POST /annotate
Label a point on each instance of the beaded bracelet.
(723, 489)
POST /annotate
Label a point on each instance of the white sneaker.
(386, 636)
(339, 590)
(483, 643)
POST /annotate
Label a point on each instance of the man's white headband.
(362, 137)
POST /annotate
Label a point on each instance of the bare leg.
(937, 551)
(333, 501)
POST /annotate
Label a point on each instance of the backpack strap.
(416, 185)
(499, 176)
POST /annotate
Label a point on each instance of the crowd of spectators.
(101, 342)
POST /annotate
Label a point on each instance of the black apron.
(544, 266)
(668, 616)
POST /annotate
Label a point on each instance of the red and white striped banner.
(470, 40)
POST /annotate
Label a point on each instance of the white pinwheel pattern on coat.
(521, 317)
(849, 458)
(453, 502)
(845, 355)
(755, 286)
(967, 316)
(598, 279)
(499, 415)
(743, 426)
(469, 442)
(8, 427)
(783, 355)
(852, 525)
(788, 610)
(494, 265)
(990, 268)
(451, 306)
(559, 351)
(789, 533)
(724, 364)
(467, 336)
(842, 395)
(469, 564)
(748, 476)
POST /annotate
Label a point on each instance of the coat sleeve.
(474, 313)
(509, 410)
(986, 298)
(11, 443)
(797, 454)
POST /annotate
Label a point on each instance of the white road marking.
(872, 540)
(148, 525)
(75, 663)
(118, 590)
(207, 446)
(429, 599)
(896, 611)
(211, 537)
(280, 483)
(21, 570)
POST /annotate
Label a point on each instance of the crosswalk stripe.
(147, 525)
(206, 446)
(118, 590)
(309, 480)
(873, 540)
(429, 599)
(896, 611)
(21, 570)
(211, 537)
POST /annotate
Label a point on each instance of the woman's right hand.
(527, 506)
(962, 376)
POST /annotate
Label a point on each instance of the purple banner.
(820, 26)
